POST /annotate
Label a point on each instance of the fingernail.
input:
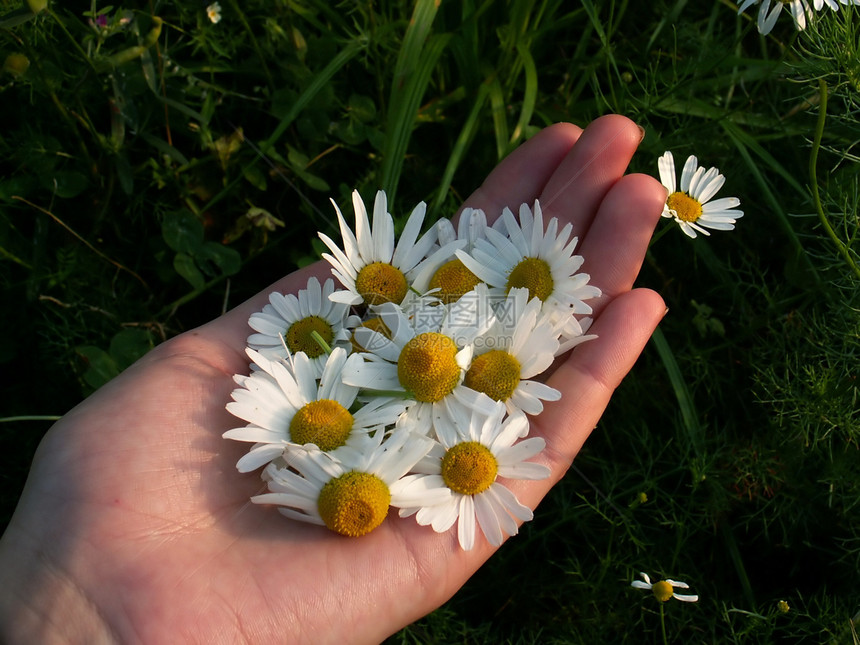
(641, 132)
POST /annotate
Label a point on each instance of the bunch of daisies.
(408, 386)
(801, 11)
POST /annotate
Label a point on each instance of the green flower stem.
(663, 623)
(321, 342)
(31, 417)
(813, 179)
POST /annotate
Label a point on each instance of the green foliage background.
(149, 156)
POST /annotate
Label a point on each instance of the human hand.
(134, 525)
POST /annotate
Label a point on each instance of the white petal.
(486, 274)
(255, 435)
(445, 233)
(441, 516)
(259, 457)
(487, 519)
(346, 297)
(350, 245)
(690, 169)
(682, 598)
(407, 239)
(363, 233)
(466, 524)
(420, 491)
(710, 188)
(507, 523)
(666, 166)
(519, 452)
(524, 470)
(383, 229)
(523, 513)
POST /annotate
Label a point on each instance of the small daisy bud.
(16, 65)
(37, 6)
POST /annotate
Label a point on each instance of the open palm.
(135, 525)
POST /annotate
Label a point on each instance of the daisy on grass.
(689, 203)
(518, 346)
(213, 12)
(665, 589)
(287, 324)
(425, 356)
(452, 280)
(371, 268)
(767, 16)
(350, 495)
(474, 450)
(286, 409)
(539, 260)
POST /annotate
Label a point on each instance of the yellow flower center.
(427, 366)
(299, 338)
(453, 280)
(662, 590)
(325, 423)
(495, 373)
(380, 282)
(534, 274)
(687, 208)
(373, 324)
(354, 503)
(469, 468)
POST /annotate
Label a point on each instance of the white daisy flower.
(769, 11)
(664, 590)
(474, 450)
(819, 4)
(286, 409)
(520, 345)
(287, 324)
(426, 354)
(370, 267)
(350, 495)
(213, 12)
(539, 260)
(689, 203)
(452, 280)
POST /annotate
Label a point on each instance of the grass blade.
(530, 96)
(404, 108)
(467, 133)
(347, 54)
(685, 401)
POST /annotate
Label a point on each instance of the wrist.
(39, 602)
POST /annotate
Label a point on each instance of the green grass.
(729, 459)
